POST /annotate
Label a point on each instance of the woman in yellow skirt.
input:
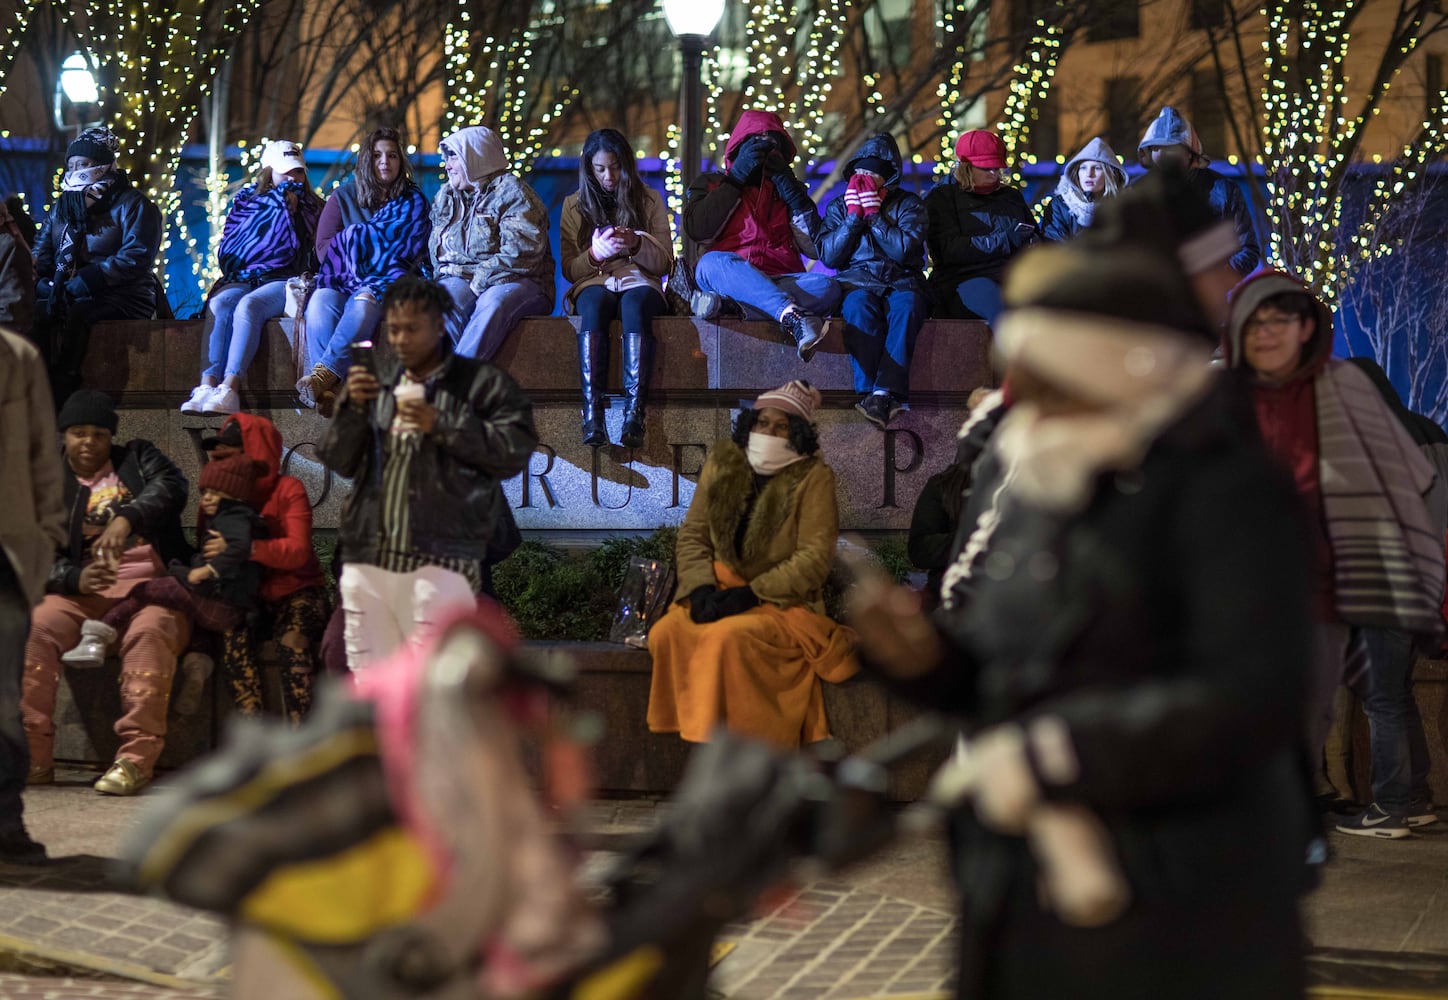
(748, 643)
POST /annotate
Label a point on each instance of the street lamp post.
(77, 84)
(692, 22)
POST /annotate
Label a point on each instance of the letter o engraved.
(679, 470)
(327, 473)
(892, 468)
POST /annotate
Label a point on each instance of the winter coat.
(284, 550)
(1386, 553)
(17, 277)
(752, 221)
(484, 436)
(1070, 210)
(237, 578)
(644, 269)
(886, 251)
(973, 235)
(117, 262)
(1169, 128)
(158, 493)
(32, 521)
(788, 545)
(1166, 625)
(495, 233)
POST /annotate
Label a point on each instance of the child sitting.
(216, 594)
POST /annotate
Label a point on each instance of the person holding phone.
(489, 244)
(977, 224)
(427, 441)
(617, 246)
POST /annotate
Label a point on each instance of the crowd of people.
(1151, 572)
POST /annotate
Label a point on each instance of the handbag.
(679, 288)
(648, 587)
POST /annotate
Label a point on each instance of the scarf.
(79, 191)
(372, 255)
(1387, 557)
(267, 236)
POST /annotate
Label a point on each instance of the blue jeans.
(14, 750)
(479, 324)
(764, 296)
(1399, 749)
(238, 314)
(334, 321)
(880, 332)
(981, 298)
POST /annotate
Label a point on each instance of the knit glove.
(700, 599)
(872, 195)
(793, 191)
(77, 289)
(852, 198)
(749, 158)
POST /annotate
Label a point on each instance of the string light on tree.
(1029, 88)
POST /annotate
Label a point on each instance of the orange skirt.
(757, 673)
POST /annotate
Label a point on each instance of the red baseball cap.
(981, 148)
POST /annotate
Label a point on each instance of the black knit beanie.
(98, 144)
(86, 407)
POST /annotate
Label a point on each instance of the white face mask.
(768, 454)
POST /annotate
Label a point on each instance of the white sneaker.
(195, 668)
(223, 399)
(196, 402)
(96, 638)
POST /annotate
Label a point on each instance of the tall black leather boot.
(592, 370)
(638, 365)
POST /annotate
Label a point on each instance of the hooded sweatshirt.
(883, 252)
(1225, 198)
(1379, 559)
(753, 220)
(288, 561)
(1070, 209)
(495, 232)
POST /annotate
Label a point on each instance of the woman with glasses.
(977, 223)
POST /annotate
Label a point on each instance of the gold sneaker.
(40, 776)
(124, 778)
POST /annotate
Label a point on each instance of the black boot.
(638, 365)
(592, 370)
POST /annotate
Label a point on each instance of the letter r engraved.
(550, 455)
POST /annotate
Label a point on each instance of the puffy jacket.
(484, 436)
(881, 252)
(284, 551)
(753, 220)
(974, 235)
(237, 576)
(494, 235)
(118, 261)
(1070, 210)
(158, 493)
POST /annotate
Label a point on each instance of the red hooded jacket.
(288, 561)
(758, 229)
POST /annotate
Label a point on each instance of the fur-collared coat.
(788, 545)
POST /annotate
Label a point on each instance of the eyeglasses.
(1277, 323)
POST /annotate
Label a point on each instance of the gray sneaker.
(806, 329)
(706, 305)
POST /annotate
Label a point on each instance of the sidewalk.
(1379, 923)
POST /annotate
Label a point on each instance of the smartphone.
(362, 354)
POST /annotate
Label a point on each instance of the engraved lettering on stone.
(892, 468)
(528, 474)
(680, 471)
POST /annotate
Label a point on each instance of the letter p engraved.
(893, 468)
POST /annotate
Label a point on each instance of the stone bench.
(155, 363)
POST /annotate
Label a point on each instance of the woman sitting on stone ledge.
(373, 230)
(268, 238)
(616, 247)
(748, 643)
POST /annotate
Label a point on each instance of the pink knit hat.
(797, 397)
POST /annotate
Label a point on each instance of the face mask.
(768, 454)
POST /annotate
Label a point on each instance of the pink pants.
(149, 648)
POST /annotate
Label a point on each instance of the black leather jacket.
(974, 235)
(484, 436)
(158, 493)
(118, 261)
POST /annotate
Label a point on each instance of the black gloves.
(709, 605)
(792, 190)
(749, 158)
